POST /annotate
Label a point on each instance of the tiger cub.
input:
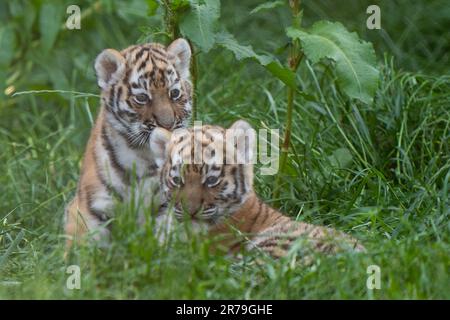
(213, 186)
(142, 87)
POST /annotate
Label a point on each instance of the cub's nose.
(164, 124)
(192, 209)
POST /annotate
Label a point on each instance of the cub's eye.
(176, 181)
(141, 98)
(175, 94)
(212, 181)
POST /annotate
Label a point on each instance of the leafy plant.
(193, 19)
(353, 59)
(198, 21)
(380, 170)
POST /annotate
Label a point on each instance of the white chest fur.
(131, 173)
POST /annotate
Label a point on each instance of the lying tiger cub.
(207, 174)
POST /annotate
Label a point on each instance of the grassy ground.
(380, 172)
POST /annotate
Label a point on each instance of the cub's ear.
(243, 139)
(180, 55)
(241, 124)
(159, 141)
(109, 66)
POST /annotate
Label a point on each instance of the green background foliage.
(379, 170)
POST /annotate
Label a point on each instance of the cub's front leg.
(86, 216)
(165, 224)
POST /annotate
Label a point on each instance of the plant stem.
(171, 19)
(194, 77)
(294, 59)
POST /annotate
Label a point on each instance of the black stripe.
(278, 218)
(142, 65)
(139, 54)
(151, 75)
(277, 240)
(129, 104)
(152, 72)
(109, 187)
(236, 182)
(162, 77)
(145, 82)
(242, 177)
(119, 119)
(113, 157)
(111, 97)
(126, 113)
(119, 94)
(111, 190)
(127, 76)
(215, 167)
(99, 214)
(128, 92)
(267, 214)
(156, 50)
(160, 58)
(225, 184)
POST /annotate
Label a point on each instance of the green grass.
(380, 172)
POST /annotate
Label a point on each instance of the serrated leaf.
(50, 19)
(200, 23)
(241, 52)
(354, 59)
(267, 6)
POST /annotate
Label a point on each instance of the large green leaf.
(200, 23)
(241, 52)
(355, 59)
(50, 20)
(7, 45)
(152, 7)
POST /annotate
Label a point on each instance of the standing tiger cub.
(207, 175)
(142, 87)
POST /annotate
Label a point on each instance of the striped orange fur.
(142, 87)
(220, 196)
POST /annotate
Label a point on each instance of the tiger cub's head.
(207, 171)
(144, 87)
